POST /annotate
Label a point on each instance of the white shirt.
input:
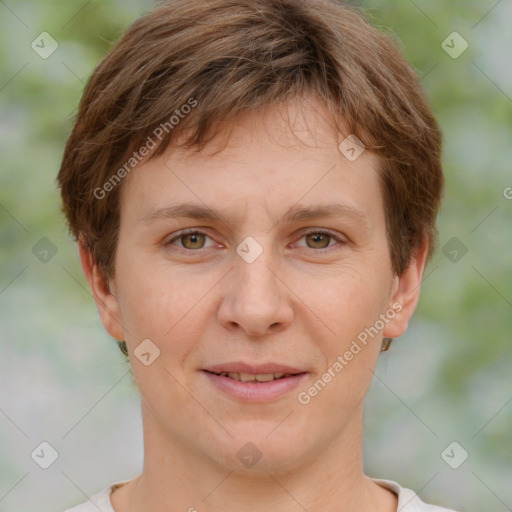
(408, 501)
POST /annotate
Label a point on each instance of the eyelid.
(183, 232)
(203, 231)
(338, 238)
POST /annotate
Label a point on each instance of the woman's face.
(287, 271)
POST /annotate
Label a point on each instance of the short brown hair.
(230, 56)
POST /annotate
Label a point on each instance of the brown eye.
(318, 240)
(193, 240)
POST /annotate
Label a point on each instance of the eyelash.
(196, 231)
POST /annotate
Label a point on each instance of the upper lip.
(255, 369)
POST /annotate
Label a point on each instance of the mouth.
(254, 383)
(254, 377)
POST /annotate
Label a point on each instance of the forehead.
(271, 160)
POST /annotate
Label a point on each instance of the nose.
(256, 300)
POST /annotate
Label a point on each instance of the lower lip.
(255, 391)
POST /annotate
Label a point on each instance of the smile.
(250, 377)
(247, 386)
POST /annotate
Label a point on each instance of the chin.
(258, 453)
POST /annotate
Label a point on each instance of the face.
(260, 273)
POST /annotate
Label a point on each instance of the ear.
(101, 289)
(405, 294)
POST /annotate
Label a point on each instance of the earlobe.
(406, 292)
(101, 289)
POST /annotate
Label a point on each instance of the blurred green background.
(64, 381)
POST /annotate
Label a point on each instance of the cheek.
(346, 302)
(164, 306)
(161, 304)
(350, 307)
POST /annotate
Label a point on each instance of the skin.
(301, 302)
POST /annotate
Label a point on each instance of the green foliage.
(461, 333)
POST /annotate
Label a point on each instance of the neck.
(175, 477)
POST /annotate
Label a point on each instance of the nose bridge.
(256, 280)
(256, 286)
(256, 299)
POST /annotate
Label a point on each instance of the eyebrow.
(293, 214)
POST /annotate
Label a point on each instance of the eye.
(191, 240)
(320, 239)
(194, 240)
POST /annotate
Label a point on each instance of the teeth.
(265, 377)
(250, 377)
